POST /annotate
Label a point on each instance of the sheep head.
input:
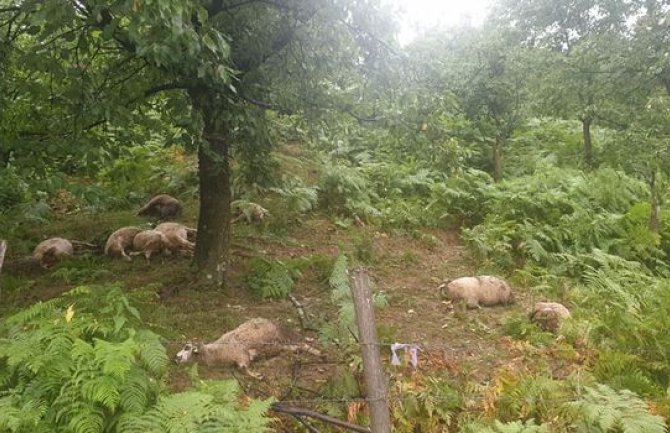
(187, 352)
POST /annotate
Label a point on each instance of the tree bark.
(588, 144)
(212, 249)
(655, 219)
(497, 158)
(665, 79)
(375, 380)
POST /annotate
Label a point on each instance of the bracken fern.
(78, 364)
(603, 410)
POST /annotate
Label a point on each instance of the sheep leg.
(184, 244)
(243, 364)
(472, 304)
(309, 349)
(252, 373)
(125, 256)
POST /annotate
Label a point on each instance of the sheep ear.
(196, 348)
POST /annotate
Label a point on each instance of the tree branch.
(297, 411)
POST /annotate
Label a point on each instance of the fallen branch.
(301, 313)
(300, 412)
(307, 425)
(83, 244)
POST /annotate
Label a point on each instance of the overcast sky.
(417, 14)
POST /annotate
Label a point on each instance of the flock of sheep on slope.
(167, 237)
(260, 337)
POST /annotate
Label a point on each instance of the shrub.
(604, 410)
(511, 427)
(344, 190)
(463, 199)
(535, 220)
(141, 171)
(13, 189)
(424, 404)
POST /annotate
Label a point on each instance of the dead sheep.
(478, 291)
(120, 241)
(549, 315)
(255, 338)
(176, 236)
(162, 207)
(50, 251)
(251, 212)
(149, 242)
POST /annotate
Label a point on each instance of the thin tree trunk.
(212, 249)
(655, 219)
(588, 145)
(497, 159)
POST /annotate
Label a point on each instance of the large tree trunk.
(212, 249)
(665, 79)
(655, 219)
(588, 145)
(497, 158)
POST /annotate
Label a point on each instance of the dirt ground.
(463, 346)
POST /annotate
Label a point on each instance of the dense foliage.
(79, 364)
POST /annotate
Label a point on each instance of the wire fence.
(466, 400)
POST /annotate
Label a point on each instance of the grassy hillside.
(474, 366)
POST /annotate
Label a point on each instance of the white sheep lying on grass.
(48, 252)
(549, 315)
(120, 241)
(177, 236)
(255, 338)
(148, 242)
(478, 291)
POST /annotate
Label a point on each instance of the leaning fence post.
(375, 380)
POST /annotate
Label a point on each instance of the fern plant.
(297, 197)
(344, 190)
(604, 410)
(510, 427)
(529, 396)
(78, 364)
(627, 371)
(534, 219)
(424, 404)
(271, 278)
(212, 407)
(76, 368)
(343, 331)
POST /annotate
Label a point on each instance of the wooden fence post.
(375, 379)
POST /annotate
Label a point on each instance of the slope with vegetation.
(534, 147)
